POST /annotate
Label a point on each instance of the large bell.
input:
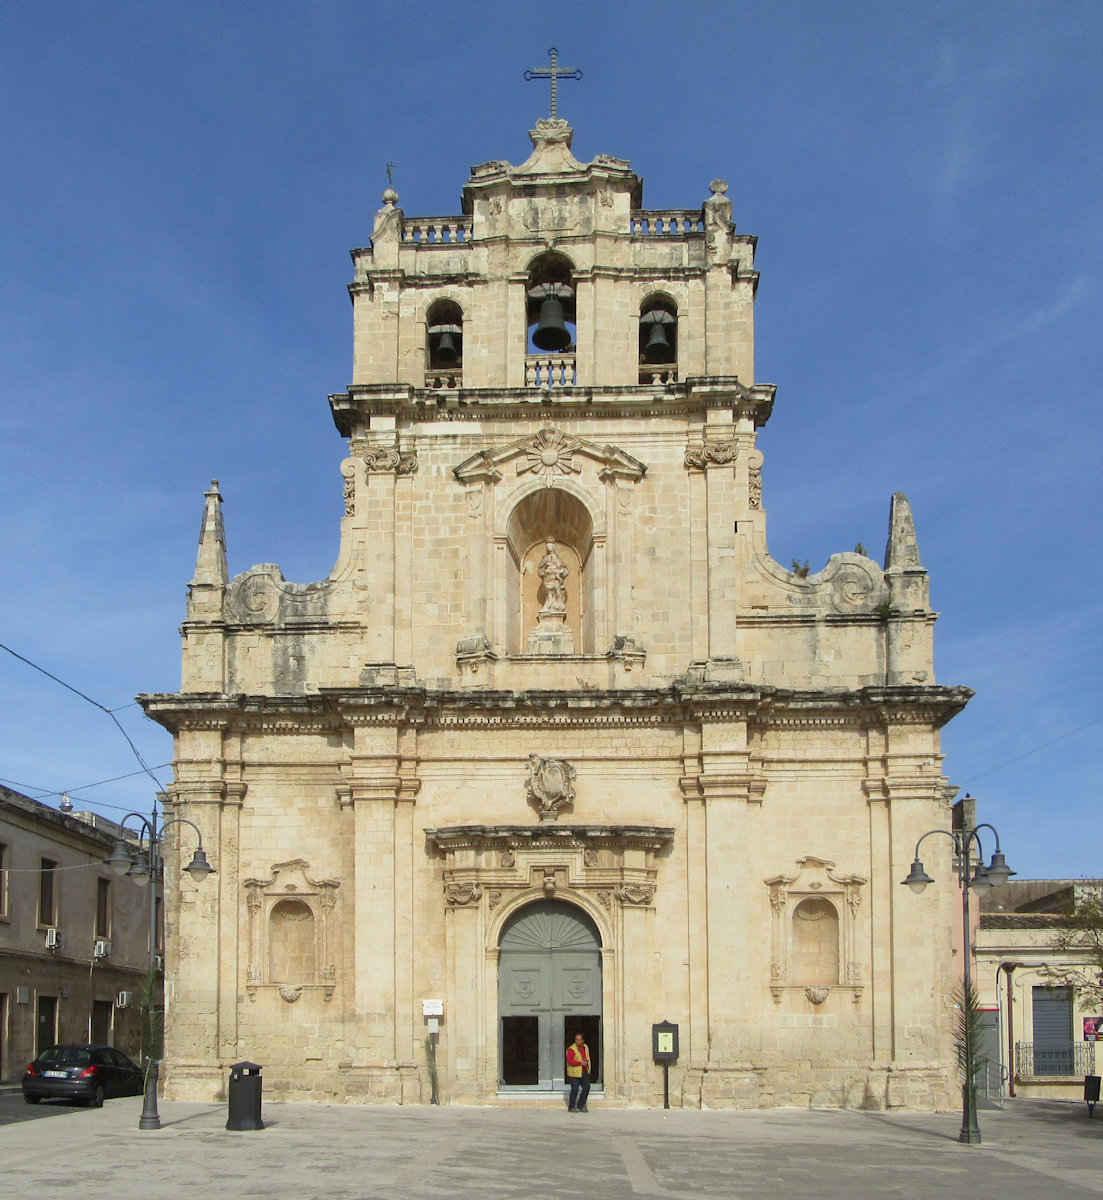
(658, 349)
(444, 351)
(550, 332)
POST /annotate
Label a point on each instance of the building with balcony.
(74, 938)
(1044, 1031)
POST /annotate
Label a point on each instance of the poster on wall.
(1093, 1029)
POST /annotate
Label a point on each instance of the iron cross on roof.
(554, 73)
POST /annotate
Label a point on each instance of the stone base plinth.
(552, 635)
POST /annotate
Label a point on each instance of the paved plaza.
(321, 1152)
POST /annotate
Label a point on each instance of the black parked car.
(88, 1073)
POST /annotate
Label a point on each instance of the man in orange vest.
(578, 1074)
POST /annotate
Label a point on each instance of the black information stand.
(664, 1049)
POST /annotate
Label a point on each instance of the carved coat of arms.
(550, 785)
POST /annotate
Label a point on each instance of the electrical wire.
(95, 862)
(95, 704)
(81, 787)
(1027, 753)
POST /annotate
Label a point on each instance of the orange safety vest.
(578, 1060)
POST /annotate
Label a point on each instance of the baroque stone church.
(557, 746)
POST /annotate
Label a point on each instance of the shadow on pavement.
(1068, 1115)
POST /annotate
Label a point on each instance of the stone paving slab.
(322, 1152)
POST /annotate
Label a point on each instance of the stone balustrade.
(671, 222)
(436, 231)
(550, 370)
(444, 379)
(658, 375)
(450, 231)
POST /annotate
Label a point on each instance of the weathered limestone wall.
(352, 810)
(754, 750)
(423, 566)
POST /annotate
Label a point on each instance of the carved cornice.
(560, 836)
(713, 786)
(353, 409)
(333, 709)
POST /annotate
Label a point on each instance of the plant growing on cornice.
(859, 548)
(799, 571)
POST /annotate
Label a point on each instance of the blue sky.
(180, 186)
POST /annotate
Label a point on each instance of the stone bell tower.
(560, 316)
(557, 743)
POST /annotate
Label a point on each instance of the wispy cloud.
(999, 335)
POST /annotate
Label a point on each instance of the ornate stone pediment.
(494, 865)
(549, 454)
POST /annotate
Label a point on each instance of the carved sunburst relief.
(550, 453)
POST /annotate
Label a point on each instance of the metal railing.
(1067, 1059)
(991, 1081)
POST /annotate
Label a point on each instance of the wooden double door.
(549, 989)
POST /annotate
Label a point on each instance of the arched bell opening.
(550, 305)
(550, 537)
(549, 989)
(658, 336)
(444, 336)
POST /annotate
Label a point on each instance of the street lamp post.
(142, 866)
(994, 875)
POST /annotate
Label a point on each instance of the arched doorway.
(549, 989)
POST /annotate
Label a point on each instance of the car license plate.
(56, 1074)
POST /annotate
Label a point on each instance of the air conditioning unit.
(102, 948)
(124, 1000)
(53, 939)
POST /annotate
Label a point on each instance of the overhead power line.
(83, 787)
(95, 704)
(1027, 753)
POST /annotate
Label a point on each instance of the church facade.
(557, 747)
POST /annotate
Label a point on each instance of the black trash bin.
(244, 1094)
(1091, 1093)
